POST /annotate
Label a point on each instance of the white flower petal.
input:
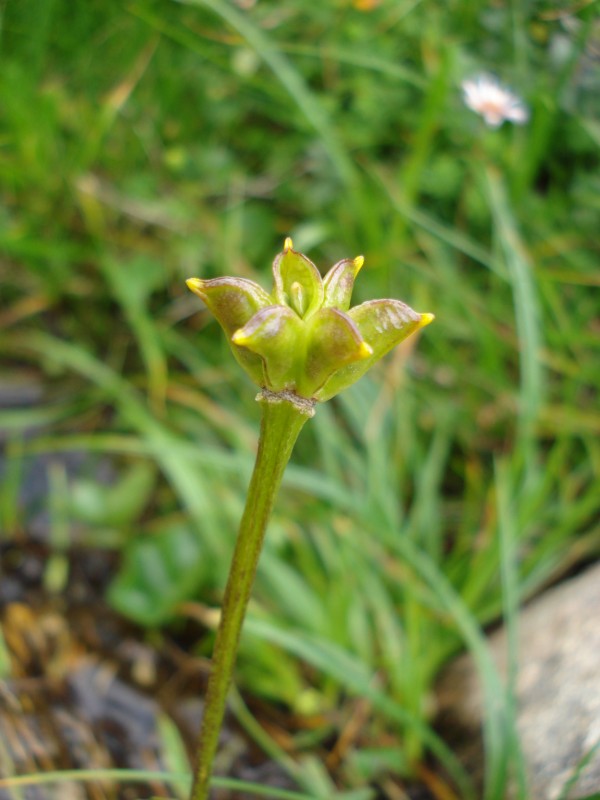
(486, 96)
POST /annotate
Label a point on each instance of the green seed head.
(304, 337)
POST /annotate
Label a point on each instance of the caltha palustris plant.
(302, 344)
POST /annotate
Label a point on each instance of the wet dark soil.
(88, 690)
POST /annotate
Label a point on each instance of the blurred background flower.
(494, 102)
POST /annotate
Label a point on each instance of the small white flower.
(494, 102)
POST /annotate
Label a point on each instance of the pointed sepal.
(382, 324)
(233, 302)
(333, 341)
(339, 283)
(298, 283)
(275, 334)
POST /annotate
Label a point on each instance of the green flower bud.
(304, 338)
(298, 282)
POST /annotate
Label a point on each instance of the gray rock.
(558, 691)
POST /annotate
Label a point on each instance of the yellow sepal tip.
(426, 319)
(288, 245)
(365, 350)
(195, 285)
(358, 263)
(239, 338)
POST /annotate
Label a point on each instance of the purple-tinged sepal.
(303, 339)
(382, 324)
(333, 341)
(339, 283)
(233, 302)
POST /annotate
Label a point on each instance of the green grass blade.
(290, 78)
(578, 772)
(137, 775)
(508, 535)
(346, 669)
(182, 472)
(493, 692)
(453, 237)
(227, 463)
(527, 313)
(360, 60)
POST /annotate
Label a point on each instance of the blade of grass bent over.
(183, 476)
(137, 775)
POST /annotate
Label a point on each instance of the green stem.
(283, 417)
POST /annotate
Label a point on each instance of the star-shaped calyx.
(304, 338)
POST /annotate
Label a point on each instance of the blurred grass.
(144, 143)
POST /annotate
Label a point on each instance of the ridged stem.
(283, 416)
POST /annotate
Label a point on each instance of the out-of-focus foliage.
(146, 142)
